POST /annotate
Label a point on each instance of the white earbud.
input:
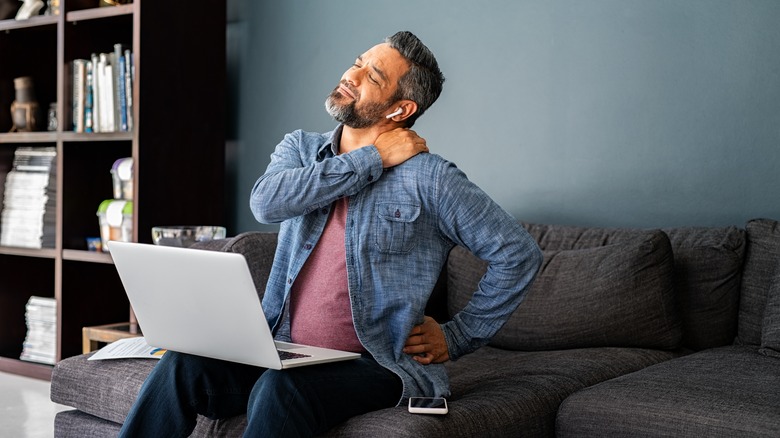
(395, 113)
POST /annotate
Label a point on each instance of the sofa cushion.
(762, 264)
(502, 393)
(707, 274)
(770, 328)
(618, 295)
(104, 391)
(707, 271)
(723, 392)
(77, 424)
(103, 388)
(492, 389)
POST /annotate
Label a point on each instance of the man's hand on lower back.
(427, 344)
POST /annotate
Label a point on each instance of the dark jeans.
(297, 402)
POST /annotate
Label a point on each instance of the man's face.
(365, 93)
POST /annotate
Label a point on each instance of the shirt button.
(370, 178)
(324, 211)
(307, 246)
(289, 281)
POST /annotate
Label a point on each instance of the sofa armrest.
(258, 248)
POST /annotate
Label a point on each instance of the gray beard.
(350, 116)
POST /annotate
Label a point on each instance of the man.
(368, 218)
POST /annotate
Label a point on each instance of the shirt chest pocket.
(395, 227)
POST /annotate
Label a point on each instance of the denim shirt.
(401, 224)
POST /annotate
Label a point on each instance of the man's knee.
(178, 365)
(277, 385)
(281, 405)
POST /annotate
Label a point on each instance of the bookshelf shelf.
(28, 137)
(96, 136)
(33, 22)
(177, 145)
(29, 252)
(28, 369)
(98, 13)
(87, 256)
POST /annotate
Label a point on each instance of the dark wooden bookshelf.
(177, 145)
(33, 22)
(28, 137)
(98, 13)
(87, 256)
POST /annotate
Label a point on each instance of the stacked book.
(30, 199)
(40, 345)
(103, 92)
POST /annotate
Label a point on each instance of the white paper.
(128, 348)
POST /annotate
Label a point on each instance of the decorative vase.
(24, 109)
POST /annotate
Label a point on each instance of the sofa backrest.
(761, 273)
(595, 290)
(620, 287)
(708, 271)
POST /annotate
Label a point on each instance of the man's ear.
(406, 108)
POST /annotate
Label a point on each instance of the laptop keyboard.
(287, 355)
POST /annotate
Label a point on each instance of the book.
(129, 76)
(96, 119)
(105, 94)
(79, 91)
(103, 91)
(88, 99)
(121, 93)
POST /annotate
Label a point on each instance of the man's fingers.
(424, 359)
(414, 342)
(415, 349)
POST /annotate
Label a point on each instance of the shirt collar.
(333, 143)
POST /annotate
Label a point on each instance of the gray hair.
(423, 82)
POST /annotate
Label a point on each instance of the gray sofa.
(626, 332)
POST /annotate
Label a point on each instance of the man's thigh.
(217, 388)
(327, 394)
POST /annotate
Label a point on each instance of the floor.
(25, 408)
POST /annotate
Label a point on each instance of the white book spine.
(110, 105)
(96, 85)
(102, 74)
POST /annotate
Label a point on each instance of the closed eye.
(370, 77)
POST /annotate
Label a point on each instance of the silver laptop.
(205, 303)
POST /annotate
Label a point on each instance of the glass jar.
(51, 117)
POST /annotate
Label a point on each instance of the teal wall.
(600, 112)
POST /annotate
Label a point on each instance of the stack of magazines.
(29, 201)
(40, 345)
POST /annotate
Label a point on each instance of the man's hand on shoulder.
(398, 145)
(427, 344)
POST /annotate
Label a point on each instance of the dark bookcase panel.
(177, 144)
(27, 52)
(86, 182)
